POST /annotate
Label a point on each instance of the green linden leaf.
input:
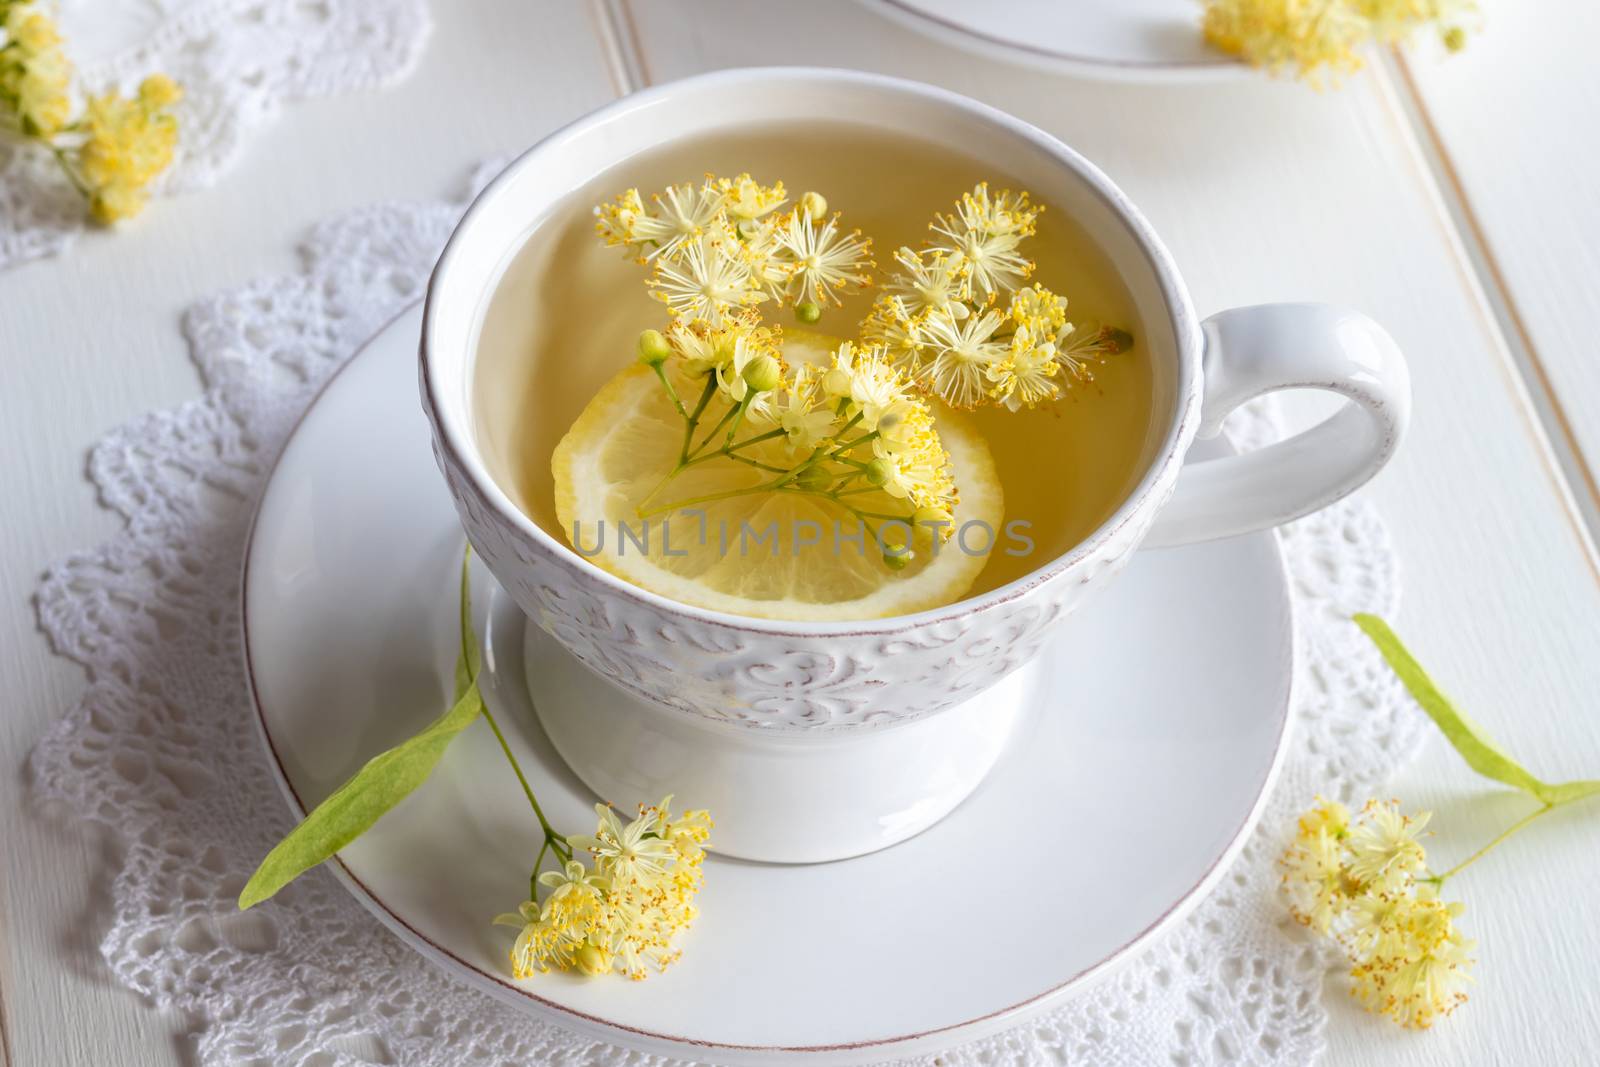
(387, 779)
(1466, 736)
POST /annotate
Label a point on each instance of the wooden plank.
(1271, 192)
(1511, 126)
(91, 340)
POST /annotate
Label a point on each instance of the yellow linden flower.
(931, 281)
(770, 271)
(1375, 924)
(982, 237)
(706, 278)
(806, 417)
(159, 91)
(964, 353)
(129, 143)
(824, 260)
(626, 852)
(743, 343)
(1314, 879)
(626, 913)
(891, 327)
(1308, 35)
(1027, 375)
(540, 946)
(35, 74)
(1383, 844)
(574, 903)
(744, 198)
(864, 376)
(1039, 310)
(1329, 815)
(1418, 970)
(924, 467)
(1393, 21)
(681, 213)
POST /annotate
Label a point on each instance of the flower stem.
(693, 420)
(757, 463)
(705, 441)
(533, 879)
(72, 174)
(738, 417)
(709, 497)
(552, 838)
(839, 452)
(671, 392)
(769, 435)
(1438, 879)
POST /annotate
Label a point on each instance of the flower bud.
(653, 348)
(1118, 340)
(808, 312)
(815, 206)
(814, 479)
(836, 382)
(877, 472)
(897, 561)
(592, 960)
(763, 374)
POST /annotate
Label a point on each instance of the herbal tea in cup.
(813, 372)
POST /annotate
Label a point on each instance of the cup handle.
(1251, 351)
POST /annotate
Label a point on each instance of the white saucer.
(1120, 803)
(1121, 40)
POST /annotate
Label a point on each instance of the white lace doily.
(163, 752)
(238, 62)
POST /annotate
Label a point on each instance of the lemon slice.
(775, 555)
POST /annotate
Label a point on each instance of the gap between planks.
(619, 42)
(1576, 484)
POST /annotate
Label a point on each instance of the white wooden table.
(1455, 201)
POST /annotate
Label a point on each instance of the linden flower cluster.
(1364, 882)
(959, 320)
(854, 431)
(1310, 35)
(115, 148)
(623, 913)
(723, 245)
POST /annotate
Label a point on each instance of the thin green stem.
(693, 421)
(671, 392)
(754, 463)
(533, 879)
(533, 801)
(706, 440)
(842, 449)
(748, 441)
(71, 172)
(710, 497)
(1438, 879)
(738, 417)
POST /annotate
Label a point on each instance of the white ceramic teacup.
(822, 740)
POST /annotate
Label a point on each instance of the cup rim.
(454, 436)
